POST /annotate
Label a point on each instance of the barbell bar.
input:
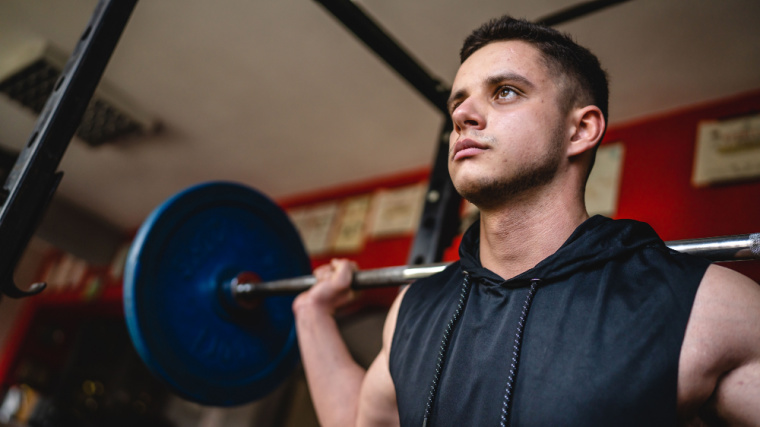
(723, 248)
(210, 279)
(243, 289)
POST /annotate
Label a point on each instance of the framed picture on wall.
(315, 225)
(603, 184)
(350, 233)
(727, 150)
(396, 211)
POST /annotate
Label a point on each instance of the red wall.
(656, 181)
(655, 187)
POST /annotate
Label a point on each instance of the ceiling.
(278, 95)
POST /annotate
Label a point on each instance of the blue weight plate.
(187, 249)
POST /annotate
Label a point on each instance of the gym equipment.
(726, 248)
(34, 178)
(205, 347)
(210, 279)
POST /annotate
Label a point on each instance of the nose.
(467, 115)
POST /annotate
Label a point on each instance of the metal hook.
(10, 289)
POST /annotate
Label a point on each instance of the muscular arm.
(344, 394)
(719, 371)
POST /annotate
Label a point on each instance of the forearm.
(333, 376)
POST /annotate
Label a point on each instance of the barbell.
(210, 279)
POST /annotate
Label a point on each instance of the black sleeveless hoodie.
(599, 343)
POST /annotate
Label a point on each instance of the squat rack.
(34, 177)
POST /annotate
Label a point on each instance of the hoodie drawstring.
(506, 408)
(465, 292)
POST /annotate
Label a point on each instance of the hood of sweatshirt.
(595, 241)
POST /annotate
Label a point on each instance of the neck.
(525, 230)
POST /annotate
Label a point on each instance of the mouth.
(466, 148)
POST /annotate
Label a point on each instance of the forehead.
(502, 57)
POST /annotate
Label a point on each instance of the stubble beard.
(488, 193)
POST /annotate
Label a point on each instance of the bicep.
(721, 353)
(737, 395)
(377, 402)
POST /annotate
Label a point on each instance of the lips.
(467, 148)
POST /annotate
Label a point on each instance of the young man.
(550, 317)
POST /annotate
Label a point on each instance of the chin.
(483, 193)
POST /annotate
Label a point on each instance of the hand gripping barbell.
(201, 323)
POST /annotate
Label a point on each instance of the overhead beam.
(354, 18)
(577, 11)
(377, 39)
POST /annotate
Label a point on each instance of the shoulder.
(390, 321)
(377, 399)
(721, 348)
(428, 290)
(423, 291)
(727, 307)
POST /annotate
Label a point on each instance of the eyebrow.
(510, 77)
(491, 81)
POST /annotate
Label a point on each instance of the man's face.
(509, 127)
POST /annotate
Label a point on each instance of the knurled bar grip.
(726, 248)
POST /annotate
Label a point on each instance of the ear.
(589, 125)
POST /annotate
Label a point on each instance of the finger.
(324, 269)
(343, 268)
(344, 263)
(338, 263)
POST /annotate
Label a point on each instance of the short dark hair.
(563, 56)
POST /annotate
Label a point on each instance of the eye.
(506, 92)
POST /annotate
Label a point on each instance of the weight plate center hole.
(243, 284)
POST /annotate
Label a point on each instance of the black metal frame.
(34, 178)
(441, 218)
(377, 39)
(577, 11)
